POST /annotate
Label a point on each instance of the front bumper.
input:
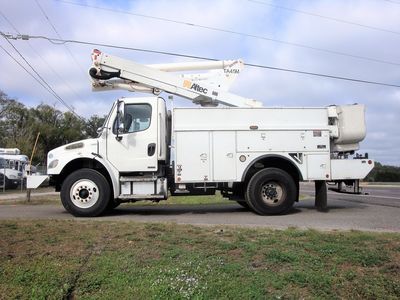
(34, 181)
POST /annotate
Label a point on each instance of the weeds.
(89, 259)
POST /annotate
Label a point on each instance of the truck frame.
(253, 155)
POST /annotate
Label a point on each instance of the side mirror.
(121, 127)
(121, 109)
(120, 119)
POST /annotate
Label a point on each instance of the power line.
(59, 36)
(9, 22)
(265, 38)
(49, 88)
(41, 57)
(326, 17)
(33, 76)
(61, 42)
(324, 75)
(23, 67)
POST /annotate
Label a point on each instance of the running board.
(137, 179)
(141, 197)
(138, 188)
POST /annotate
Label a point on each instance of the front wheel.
(113, 203)
(85, 193)
(271, 191)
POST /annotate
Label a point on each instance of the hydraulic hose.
(103, 74)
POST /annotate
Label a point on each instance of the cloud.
(68, 76)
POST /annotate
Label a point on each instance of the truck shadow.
(168, 210)
(333, 204)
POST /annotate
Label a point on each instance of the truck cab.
(134, 137)
(126, 160)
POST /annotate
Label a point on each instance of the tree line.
(19, 126)
(382, 173)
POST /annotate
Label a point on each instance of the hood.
(79, 148)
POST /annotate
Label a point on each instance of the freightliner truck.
(148, 150)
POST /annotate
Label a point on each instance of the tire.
(271, 191)
(85, 193)
(243, 204)
(11, 184)
(113, 203)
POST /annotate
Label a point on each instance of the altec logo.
(187, 84)
(194, 86)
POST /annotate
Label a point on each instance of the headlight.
(74, 146)
(53, 164)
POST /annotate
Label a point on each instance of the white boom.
(206, 89)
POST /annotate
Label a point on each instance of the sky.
(348, 38)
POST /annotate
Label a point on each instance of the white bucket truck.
(254, 155)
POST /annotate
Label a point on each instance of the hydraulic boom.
(207, 89)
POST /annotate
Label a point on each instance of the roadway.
(377, 211)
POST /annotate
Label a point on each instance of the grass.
(91, 259)
(18, 190)
(195, 200)
(35, 200)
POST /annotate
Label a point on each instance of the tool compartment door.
(318, 166)
(224, 155)
(192, 156)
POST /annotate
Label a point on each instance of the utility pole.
(28, 172)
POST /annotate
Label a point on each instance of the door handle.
(151, 149)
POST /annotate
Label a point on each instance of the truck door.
(135, 148)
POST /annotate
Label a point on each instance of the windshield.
(106, 120)
(2, 163)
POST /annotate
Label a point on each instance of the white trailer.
(256, 156)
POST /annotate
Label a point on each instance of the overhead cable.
(295, 10)
(49, 88)
(42, 58)
(265, 38)
(60, 42)
(59, 36)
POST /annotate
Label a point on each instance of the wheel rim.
(84, 193)
(272, 193)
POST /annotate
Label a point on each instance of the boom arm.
(206, 89)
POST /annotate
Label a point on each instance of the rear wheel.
(271, 191)
(85, 193)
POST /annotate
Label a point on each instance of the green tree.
(46, 120)
(92, 124)
(15, 124)
(382, 173)
(19, 127)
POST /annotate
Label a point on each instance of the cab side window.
(137, 118)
